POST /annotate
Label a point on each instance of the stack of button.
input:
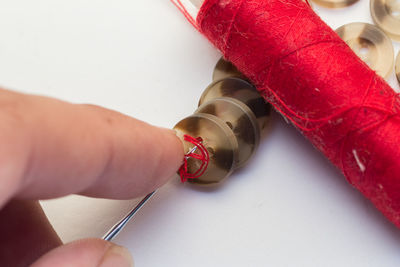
(229, 119)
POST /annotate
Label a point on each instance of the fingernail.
(117, 256)
(171, 132)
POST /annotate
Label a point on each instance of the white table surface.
(288, 207)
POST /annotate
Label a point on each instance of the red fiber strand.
(184, 11)
(203, 157)
(315, 80)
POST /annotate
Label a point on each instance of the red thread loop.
(204, 157)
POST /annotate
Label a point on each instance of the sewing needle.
(116, 229)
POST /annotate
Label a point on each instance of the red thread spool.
(314, 79)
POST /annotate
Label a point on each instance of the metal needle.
(116, 229)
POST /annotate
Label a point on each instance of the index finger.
(50, 148)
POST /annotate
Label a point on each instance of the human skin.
(50, 148)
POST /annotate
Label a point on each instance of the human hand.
(50, 148)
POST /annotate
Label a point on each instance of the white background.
(288, 207)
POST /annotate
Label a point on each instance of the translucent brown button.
(335, 3)
(370, 44)
(386, 14)
(397, 68)
(225, 69)
(241, 120)
(220, 142)
(240, 90)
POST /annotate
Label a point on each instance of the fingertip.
(117, 256)
(161, 155)
(171, 158)
(87, 252)
(143, 158)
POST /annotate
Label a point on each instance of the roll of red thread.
(315, 80)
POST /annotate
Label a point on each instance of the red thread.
(308, 3)
(184, 11)
(315, 80)
(203, 157)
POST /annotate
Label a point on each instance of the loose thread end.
(184, 10)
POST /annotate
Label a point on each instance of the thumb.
(88, 253)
